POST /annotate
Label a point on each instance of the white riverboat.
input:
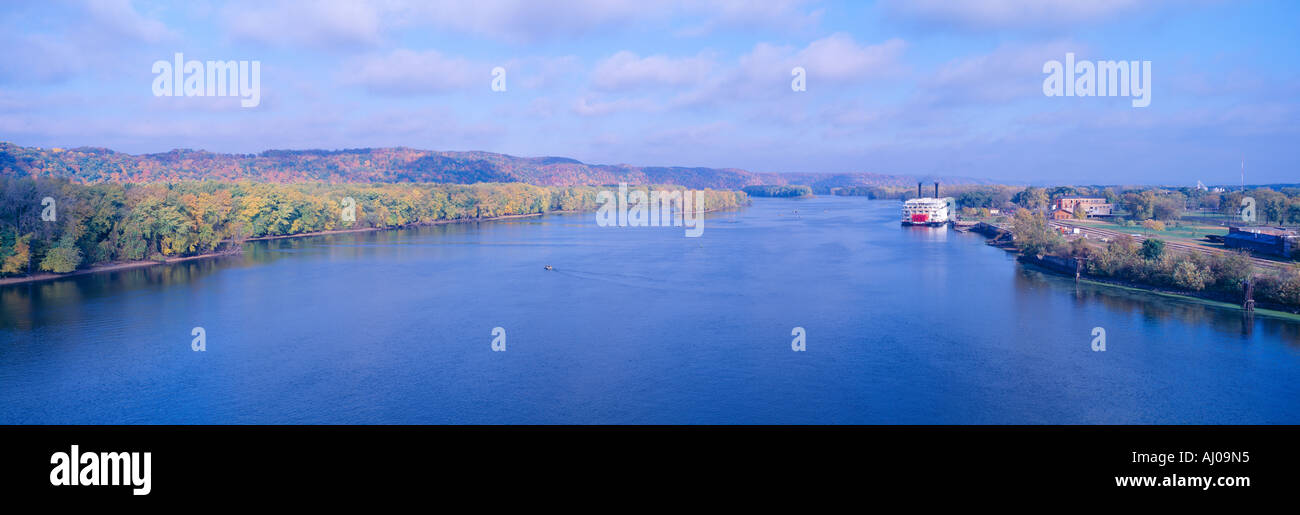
(932, 211)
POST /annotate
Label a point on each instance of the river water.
(633, 325)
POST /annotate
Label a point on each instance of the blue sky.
(893, 86)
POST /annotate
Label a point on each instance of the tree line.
(113, 222)
(1148, 263)
(1274, 205)
(778, 191)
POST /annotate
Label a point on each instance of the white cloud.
(836, 58)
(1008, 73)
(422, 72)
(531, 20)
(589, 106)
(341, 23)
(535, 73)
(663, 83)
(986, 14)
(408, 72)
(38, 58)
(839, 57)
(58, 41)
(626, 70)
(701, 134)
(785, 14)
(121, 18)
(320, 23)
(524, 20)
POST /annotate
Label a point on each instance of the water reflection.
(1228, 320)
(27, 306)
(30, 305)
(635, 325)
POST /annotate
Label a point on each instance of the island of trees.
(778, 191)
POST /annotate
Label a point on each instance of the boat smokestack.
(918, 190)
(936, 189)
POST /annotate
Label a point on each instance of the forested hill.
(390, 165)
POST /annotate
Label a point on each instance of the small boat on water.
(548, 267)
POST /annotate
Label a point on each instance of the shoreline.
(1212, 298)
(407, 226)
(144, 263)
(1261, 307)
(1263, 311)
(109, 267)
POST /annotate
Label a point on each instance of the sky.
(912, 87)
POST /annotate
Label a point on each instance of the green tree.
(976, 199)
(63, 258)
(1033, 236)
(1232, 269)
(1152, 249)
(1031, 198)
(1141, 206)
(1168, 208)
(1281, 287)
(18, 259)
(1189, 276)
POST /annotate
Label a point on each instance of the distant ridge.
(92, 164)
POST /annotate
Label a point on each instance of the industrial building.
(1093, 206)
(1273, 241)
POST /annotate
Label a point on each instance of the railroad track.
(1097, 232)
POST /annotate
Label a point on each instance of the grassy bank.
(1217, 276)
(1183, 296)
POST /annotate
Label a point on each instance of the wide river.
(633, 325)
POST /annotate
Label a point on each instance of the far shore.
(127, 265)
